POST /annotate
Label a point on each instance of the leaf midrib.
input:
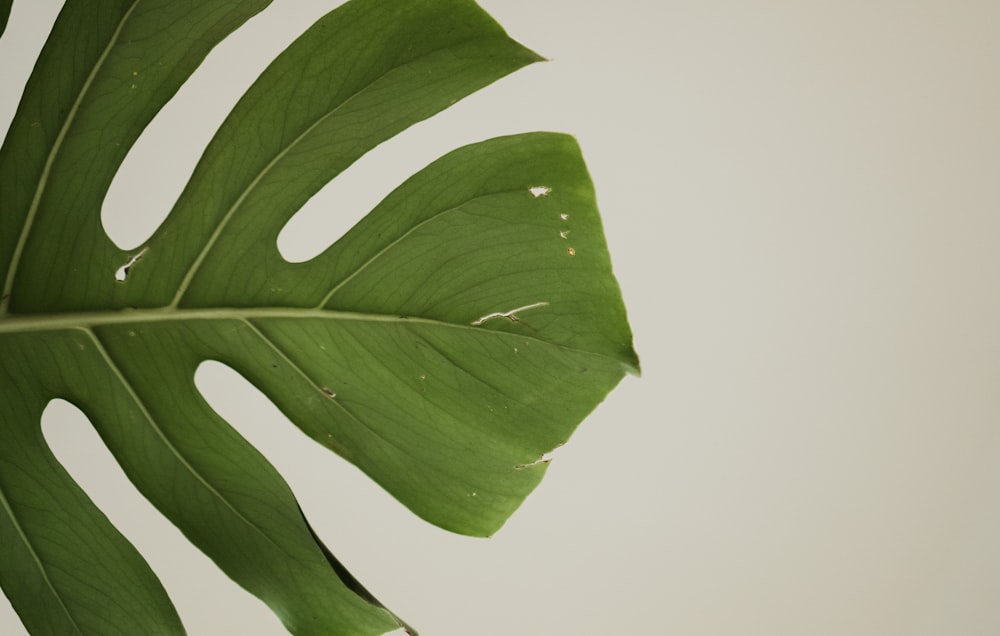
(28, 323)
(22, 323)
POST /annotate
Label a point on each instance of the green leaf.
(5, 6)
(443, 345)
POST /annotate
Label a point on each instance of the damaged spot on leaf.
(123, 271)
(328, 393)
(544, 459)
(539, 191)
(509, 315)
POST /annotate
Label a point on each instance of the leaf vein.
(127, 386)
(34, 556)
(305, 376)
(43, 180)
(401, 238)
(403, 451)
(282, 153)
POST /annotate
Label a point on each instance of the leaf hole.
(123, 271)
(539, 191)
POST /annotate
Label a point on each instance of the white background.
(802, 201)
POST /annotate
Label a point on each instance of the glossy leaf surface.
(443, 345)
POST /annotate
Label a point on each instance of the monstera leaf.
(443, 345)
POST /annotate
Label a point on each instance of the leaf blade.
(417, 58)
(459, 296)
(103, 74)
(5, 6)
(66, 568)
(221, 492)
